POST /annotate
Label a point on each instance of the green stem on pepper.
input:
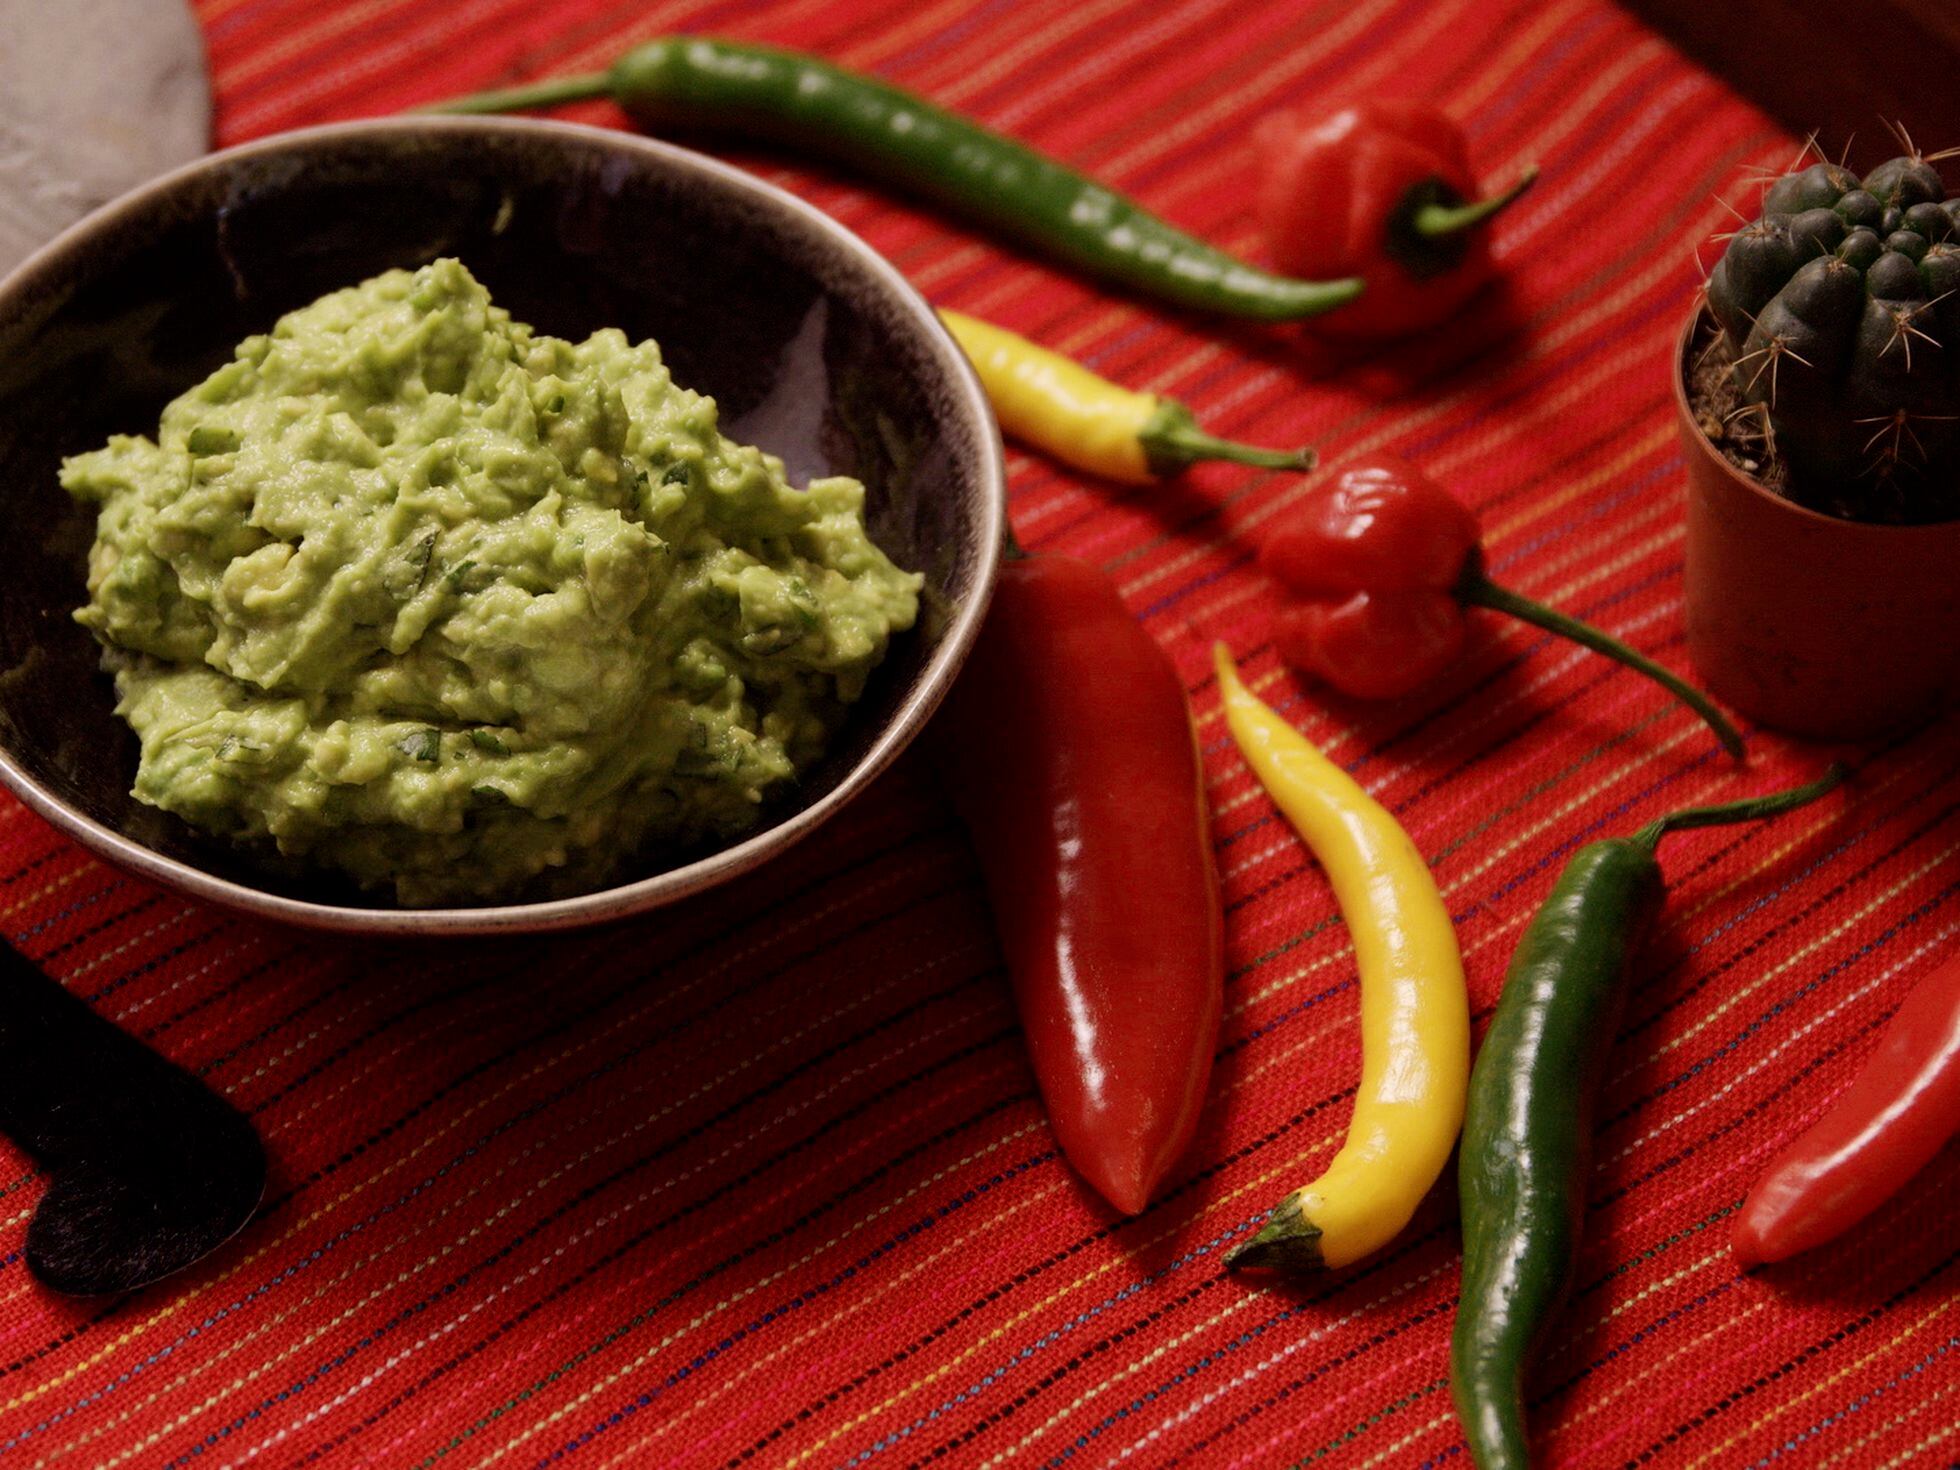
(1434, 220)
(1477, 589)
(555, 92)
(1750, 809)
(1172, 441)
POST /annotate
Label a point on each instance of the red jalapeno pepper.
(1899, 1111)
(1381, 191)
(1068, 750)
(1380, 562)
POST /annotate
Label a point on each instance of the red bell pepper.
(1380, 562)
(1381, 190)
(1068, 750)
(1898, 1112)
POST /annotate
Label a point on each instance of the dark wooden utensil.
(148, 1169)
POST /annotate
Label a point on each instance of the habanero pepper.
(1900, 1110)
(1380, 562)
(1381, 190)
(1415, 1010)
(1068, 750)
(1527, 1131)
(692, 82)
(1055, 404)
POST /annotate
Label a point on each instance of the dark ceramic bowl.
(813, 345)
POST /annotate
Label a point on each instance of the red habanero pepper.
(1380, 562)
(1068, 750)
(1381, 190)
(1899, 1111)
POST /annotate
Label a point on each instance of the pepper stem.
(1172, 441)
(1749, 810)
(1474, 587)
(1288, 1242)
(1435, 220)
(552, 93)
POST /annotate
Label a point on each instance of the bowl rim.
(625, 899)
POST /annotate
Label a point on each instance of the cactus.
(1840, 310)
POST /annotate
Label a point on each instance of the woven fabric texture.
(763, 1178)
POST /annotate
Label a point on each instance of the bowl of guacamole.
(464, 525)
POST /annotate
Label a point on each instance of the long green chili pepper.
(782, 96)
(1527, 1131)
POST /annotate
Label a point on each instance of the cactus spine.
(1839, 307)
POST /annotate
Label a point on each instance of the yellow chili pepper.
(1415, 1011)
(1057, 405)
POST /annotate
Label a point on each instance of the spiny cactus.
(1840, 308)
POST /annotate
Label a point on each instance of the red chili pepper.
(1381, 190)
(1068, 750)
(1898, 1112)
(1381, 561)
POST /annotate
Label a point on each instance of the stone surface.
(95, 97)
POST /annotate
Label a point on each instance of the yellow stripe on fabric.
(324, 81)
(1741, 1077)
(1311, 1334)
(20, 903)
(1467, 101)
(1717, 1254)
(1644, 447)
(953, 1249)
(1381, 1457)
(1736, 996)
(329, 23)
(1165, 1348)
(1660, 1366)
(1068, 23)
(1251, 100)
(1599, 1397)
(570, 1323)
(449, 1249)
(539, 1184)
(1912, 1452)
(870, 47)
(775, 935)
(1261, 1187)
(169, 919)
(1058, 1294)
(1779, 1410)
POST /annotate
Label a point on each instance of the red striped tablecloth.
(763, 1178)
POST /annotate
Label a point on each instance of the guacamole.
(445, 604)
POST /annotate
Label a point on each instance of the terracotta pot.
(1807, 623)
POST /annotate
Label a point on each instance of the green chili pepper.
(784, 97)
(1527, 1131)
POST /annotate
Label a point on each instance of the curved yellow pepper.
(1415, 1010)
(1055, 404)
